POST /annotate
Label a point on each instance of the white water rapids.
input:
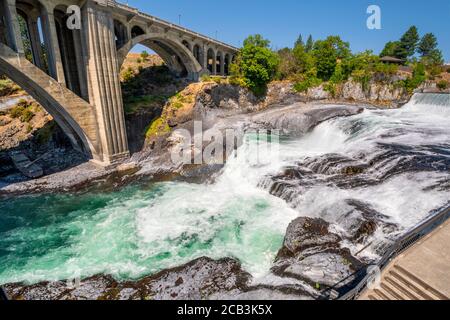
(141, 230)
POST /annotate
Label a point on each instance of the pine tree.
(408, 44)
(299, 41)
(427, 45)
(309, 44)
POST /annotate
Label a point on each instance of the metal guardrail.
(362, 278)
(136, 11)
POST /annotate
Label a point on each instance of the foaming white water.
(228, 218)
(406, 198)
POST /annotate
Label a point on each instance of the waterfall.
(431, 99)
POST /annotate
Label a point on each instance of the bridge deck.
(421, 273)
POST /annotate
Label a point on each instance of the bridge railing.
(361, 278)
(122, 6)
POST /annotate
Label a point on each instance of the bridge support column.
(214, 63)
(35, 39)
(14, 37)
(222, 66)
(55, 65)
(205, 58)
(104, 81)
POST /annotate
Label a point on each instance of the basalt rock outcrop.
(313, 254)
(197, 280)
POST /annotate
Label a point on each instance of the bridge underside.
(74, 73)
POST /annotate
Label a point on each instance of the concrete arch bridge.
(74, 73)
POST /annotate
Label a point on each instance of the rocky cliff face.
(375, 93)
(209, 101)
(28, 128)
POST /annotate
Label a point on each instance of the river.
(147, 227)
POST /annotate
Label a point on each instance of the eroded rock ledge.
(196, 280)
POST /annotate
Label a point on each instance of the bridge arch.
(211, 60)
(121, 33)
(170, 49)
(136, 31)
(219, 63)
(226, 63)
(51, 96)
(70, 50)
(198, 54)
(187, 44)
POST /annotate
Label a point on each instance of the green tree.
(256, 65)
(309, 44)
(256, 40)
(390, 49)
(25, 38)
(144, 55)
(304, 60)
(428, 49)
(408, 44)
(327, 53)
(299, 41)
(288, 65)
(427, 45)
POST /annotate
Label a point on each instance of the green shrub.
(418, 77)
(27, 115)
(144, 55)
(309, 82)
(23, 103)
(7, 87)
(217, 80)
(442, 85)
(139, 60)
(363, 77)
(16, 112)
(448, 70)
(386, 68)
(128, 75)
(331, 87)
(205, 78)
(157, 127)
(29, 128)
(136, 103)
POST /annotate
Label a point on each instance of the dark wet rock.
(363, 221)
(307, 234)
(271, 292)
(311, 253)
(297, 121)
(197, 280)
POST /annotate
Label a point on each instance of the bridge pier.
(104, 82)
(55, 65)
(13, 29)
(35, 40)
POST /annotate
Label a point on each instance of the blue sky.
(281, 21)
